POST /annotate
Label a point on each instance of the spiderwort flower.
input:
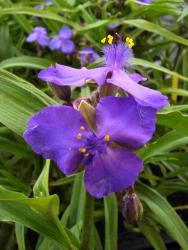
(87, 55)
(39, 35)
(41, 6)
(63, 41)
(60, 133)
(145, 1)
(117, 54)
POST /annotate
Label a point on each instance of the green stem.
(88, 222)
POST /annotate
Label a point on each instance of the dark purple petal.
(117, 55)
(68, 76)
(143, 95)
(53, 132)
(67, 46)
(112, 171)
(55, 43)
(125, 121)
(65, 32)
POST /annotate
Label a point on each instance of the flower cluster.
(63, 40)
(121, 124)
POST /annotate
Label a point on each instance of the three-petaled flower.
(39, 35)
(117, 54)
(87, 55)
(63, 41)
(60, 133)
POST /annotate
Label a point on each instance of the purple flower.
(39, 35)
(145, 1)
(63, 41)
(60, 133)
(41, 6)
(113, 26)
(87, 55)
(117, 57)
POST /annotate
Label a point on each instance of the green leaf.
(141, 62)
(19, 229)
(152, 234)
(40, 188)
(164, 214)
(26, 62)
(167, 142)
(39, 214)
(19, 100)
(111, 222)
(170, 120)
(157, 29)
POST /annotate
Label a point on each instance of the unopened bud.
(89, 113)
(132, 208)
(62, 92)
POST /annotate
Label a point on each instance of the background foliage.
(41, 209)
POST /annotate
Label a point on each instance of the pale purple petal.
(143, 95)
(117, 55)
(87, 55)
(67, 46)
(68, 76)
(65, 32)
(112, 171)
(32, 37)
(125, 121)
(55, 43)
(137, 77)
(52, 133)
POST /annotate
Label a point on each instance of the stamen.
(107, 138)
(82, 128)
(103, 40)
(109, 39)
(130, 42)
(82, 150)
(79, 136)
(87, 154)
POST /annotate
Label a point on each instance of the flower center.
(117, 51)
(93, 144)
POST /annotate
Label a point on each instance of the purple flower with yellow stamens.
(87, 55)
(117, 54)
(63, 41)
(60, 133)
(39, 35)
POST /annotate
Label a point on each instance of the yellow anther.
(103, 40)
(82, 128)
(130, 42)
(82, 150)
(107, 137)
(79, 136)
(110, 39)
(87, 154)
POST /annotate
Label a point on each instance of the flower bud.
(62, 92)
(132, 208)
(89, 113)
